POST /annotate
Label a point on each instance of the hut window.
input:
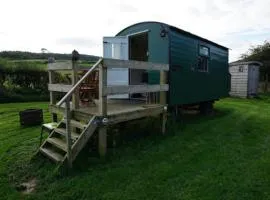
(203, 64)
(203, 58)
(241, 69)
(204, 51)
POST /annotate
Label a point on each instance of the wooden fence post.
(102, 131)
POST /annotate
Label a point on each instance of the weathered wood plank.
(75, 96)
(67, 66)
(59, 87)
(123, 117)
(163, 81)
(84, 137)
(122, 89)
(68, 132)
(56, 109)
(60, 66)
(132, 64)
(52, 94)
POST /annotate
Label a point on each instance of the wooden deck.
(117, 110)
(66, 141)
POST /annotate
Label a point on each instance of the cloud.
(77, 41)
(123, 7)
(82, 24)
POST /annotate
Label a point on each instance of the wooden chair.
(88, 90)
(48, 127)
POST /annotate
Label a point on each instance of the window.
(203, 64)
(204, 51)
(240, 69)
(203, 59)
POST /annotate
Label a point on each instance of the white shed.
(244, 78)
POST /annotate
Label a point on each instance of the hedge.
(22, 81)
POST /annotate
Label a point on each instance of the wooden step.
(59, 143)
(76, 124)
(53, 155)
(62, 131)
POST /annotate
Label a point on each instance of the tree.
(260, 53)
(44, 50)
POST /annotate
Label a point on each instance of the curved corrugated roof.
(174, 29)
(245, 63)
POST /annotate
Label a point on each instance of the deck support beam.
(164, 121)
(163, 101)
(102, 131)
(68, 133)
(102, 141)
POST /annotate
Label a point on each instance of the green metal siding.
(158, 47)
(187, 84)
(180, 50)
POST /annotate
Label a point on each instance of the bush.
(23, 81)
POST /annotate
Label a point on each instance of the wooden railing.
(66, 99)
(105, 90)
(72, 90)
(103, 64)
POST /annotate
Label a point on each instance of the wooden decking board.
(62, 132)
(59, 143)
(76, 124)
(120, 112)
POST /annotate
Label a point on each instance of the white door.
(253, 79)
(116, 48)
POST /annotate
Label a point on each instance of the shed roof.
(175, 29)
(239, 62)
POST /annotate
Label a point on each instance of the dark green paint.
(181, 50)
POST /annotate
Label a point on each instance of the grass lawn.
(225, 156)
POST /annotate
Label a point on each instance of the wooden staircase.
(56, 145)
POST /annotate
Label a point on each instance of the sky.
(63, 25)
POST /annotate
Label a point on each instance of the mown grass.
(223, 156)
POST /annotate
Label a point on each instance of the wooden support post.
(163, 100)
(102, 132)
(52, 94)
(164, 121)
(68, 132)
(163, 80)
(102, 141)
(75, 96)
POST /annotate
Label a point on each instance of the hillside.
(23, 55)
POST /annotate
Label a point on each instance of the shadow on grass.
(127, 140)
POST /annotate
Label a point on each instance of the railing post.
(102, 132)
(75, 96)
(163, 101)
(52, 94)
(163, 80)
(68, 132)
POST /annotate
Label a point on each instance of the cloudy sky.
(64, 25)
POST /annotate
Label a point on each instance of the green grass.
(224, 156)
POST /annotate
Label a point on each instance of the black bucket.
(31, 117)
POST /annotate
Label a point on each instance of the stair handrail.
(71, 91)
